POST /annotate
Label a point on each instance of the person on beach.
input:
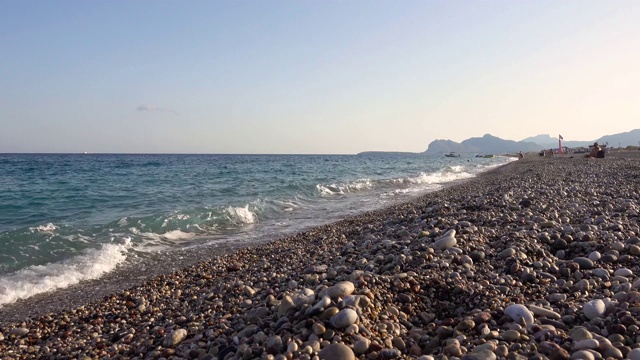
(594, 151)
(520, 155)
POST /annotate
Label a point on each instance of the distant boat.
(485, 156)
(452, 155)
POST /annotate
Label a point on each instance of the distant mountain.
(542, 139)
(488, 144)
(444, 146)
(386, 153)
(549, 142)
(622, 139)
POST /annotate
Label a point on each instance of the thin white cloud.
(153, 108)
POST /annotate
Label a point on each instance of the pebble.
(19, 331)
(174, 338)
(344, 318)
(540, 311)
(557, 297)
(583, 355)
(480, 355)
(340, 290)
(623, 272)
(448, 240)
(500, 280)
(511, 335)
(634, 354)
(593, 309)
(519, 313)
(580, 333)
(586, 344)
(585, 263)
(337, 351)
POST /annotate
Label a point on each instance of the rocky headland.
(537, 259)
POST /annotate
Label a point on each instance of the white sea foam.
(46, 228)
(241, 214)
(348, 187)
(43, 278)
(177, 235)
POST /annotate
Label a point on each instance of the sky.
(312, 77)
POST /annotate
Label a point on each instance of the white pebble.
(519, 313)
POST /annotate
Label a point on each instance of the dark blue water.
(65, 218)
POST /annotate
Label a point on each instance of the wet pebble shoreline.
(537, 259)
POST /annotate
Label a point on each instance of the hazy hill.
(616, 140)
(622, 139)
(488, 144)
(549, 142)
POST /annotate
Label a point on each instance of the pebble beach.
(537, 259)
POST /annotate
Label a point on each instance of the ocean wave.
(348, 187)
(447, 174)
(46, 228)
(38, 279)
(241, 215)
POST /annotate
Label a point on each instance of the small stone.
(340, 290)
(337, 351)
(586, 344)
(274, 344)
(19, 331)
(482, 317)
(361, 344)
(466, 324)
(508, 252)
(285, 305)
(478, 256)
(593, 309)
(582, 285)
(318, 328)
(634, 354)
(330, 312)
(579, 333)
(390, 353)
(344, 318)
(554, 351)
(623, 272)
(583, 355)
(557, 297)
(448, 240)
(480, 355)
(611, 351)
(399, 344)
(511, 335)
(519, 313)
(174, 338)
(595, 256)
(540, 311)
(584, 263)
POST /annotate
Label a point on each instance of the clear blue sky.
(311, 76)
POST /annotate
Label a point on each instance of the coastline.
(88, 291)
(412, 299)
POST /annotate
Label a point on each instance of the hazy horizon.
(311, 77)
(272, 154)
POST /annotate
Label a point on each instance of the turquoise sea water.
(65, 218)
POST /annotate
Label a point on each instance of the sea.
(69, 218)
